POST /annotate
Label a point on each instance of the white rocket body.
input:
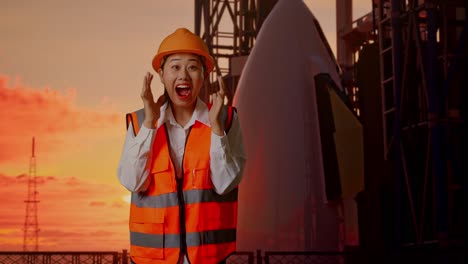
(282, 199)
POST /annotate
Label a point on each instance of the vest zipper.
(181, 200)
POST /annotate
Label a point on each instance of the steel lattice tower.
(31, 226)
(229, 29)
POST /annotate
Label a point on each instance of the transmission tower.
(31, 226)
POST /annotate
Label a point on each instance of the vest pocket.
(164, 181)
(160, 165)
(201, 178)
(147, 234)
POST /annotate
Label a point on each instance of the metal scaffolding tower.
(31, 226)
(351, 36)
(229, 28)
(417, 148)
(422, 47)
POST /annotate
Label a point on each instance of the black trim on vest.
(128, 120)
(180, 195)
(140, 116)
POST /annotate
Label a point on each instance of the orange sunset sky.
(69, 71)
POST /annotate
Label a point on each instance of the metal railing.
(43, 257)
(241, 257)
(76, 257)
(304, 257)
(428, 256)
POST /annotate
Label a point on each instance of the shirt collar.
(200, 114)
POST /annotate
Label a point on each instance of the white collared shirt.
(227, 153)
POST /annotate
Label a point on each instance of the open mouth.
(183, 91)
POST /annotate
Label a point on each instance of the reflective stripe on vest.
(210, 219)
(173, 240)
(190, 196)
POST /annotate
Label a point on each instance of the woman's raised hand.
(217, 101)
(152, 109)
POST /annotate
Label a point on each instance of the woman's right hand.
(152, 109)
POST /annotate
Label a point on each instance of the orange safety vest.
(186, 214)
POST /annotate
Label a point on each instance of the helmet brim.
(157, 60)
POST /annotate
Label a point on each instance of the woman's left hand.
(217, 101)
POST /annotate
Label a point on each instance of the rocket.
(303, 142)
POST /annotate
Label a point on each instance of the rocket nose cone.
(288, 37)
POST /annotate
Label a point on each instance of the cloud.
(47, 114)
(118, 204)
(97, 204)
(80, 216)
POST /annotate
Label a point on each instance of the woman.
(182, 160)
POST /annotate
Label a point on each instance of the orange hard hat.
(183, 41)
